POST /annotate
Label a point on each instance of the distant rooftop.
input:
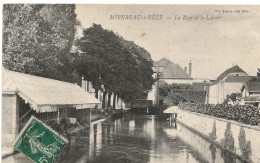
(252, 86)
(162, 62)
(236, 79)
(174, 71)
(233, 69)
(171, 70)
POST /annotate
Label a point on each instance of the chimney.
(185, 68)
(190, 68)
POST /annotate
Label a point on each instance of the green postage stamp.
(39, 142)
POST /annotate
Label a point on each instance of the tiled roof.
(233, 69)
(162, 62)
(252, 86)
(238, 79)
(174, 71)
(46, 95)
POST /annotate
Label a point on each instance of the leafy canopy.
(37, 38)
(121, 66)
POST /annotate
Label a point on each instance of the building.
(24, 95)
(251, 93)
(169, 72)
(230, 81)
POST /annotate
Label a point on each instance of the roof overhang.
(251, 99)
(47, 95)
(8, 92)
(172, 109)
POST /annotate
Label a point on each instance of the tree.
(37, 38)
(106, 58)
(99, 57)
(163, 88)
(233, 97)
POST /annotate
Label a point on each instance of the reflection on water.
(99, 137)
(141, 138)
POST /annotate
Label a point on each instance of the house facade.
(169, 72)
(230, 81)
(251, 93)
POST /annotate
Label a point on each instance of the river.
(142, 138)
(138, 138)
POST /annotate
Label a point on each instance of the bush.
(243, 113)
(173, 99)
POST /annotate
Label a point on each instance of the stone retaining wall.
(204, 125)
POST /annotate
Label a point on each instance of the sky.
(212, 37)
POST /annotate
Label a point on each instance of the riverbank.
(220, 131)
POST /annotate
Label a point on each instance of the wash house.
(49, 100)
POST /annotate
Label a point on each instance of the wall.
(213, 94)
(151, 95)
(204, 125)
(219, 91)
(232, 88)
(206, 150)
(10, 119)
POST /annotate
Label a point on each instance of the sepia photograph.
(130, 83)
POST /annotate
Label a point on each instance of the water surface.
(142, 138)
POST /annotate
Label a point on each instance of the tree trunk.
(104, 99)
(96, 93)
(109, 99)
(114, 102)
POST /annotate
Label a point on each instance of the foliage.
(105, 58)
(233, 97)
(174, 99)
(163, 88)
(193, 96)
(37, 38)
(244, 113)
(181, 86)
(186, 90)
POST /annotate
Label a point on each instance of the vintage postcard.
(130, 83)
